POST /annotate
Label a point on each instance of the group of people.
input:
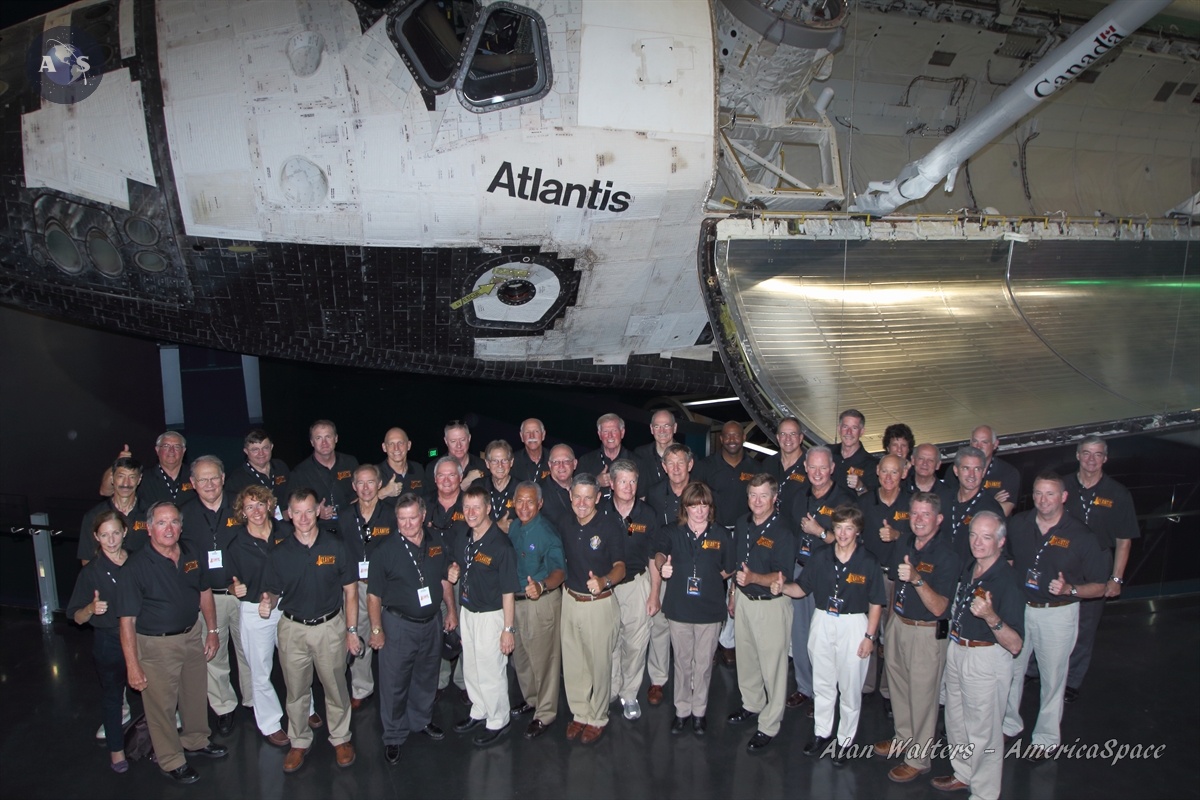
(868, 573)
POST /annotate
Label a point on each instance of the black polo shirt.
(209, 530)
(556, 505)
(596, 462)
(1106, 508)
(163, 594)
(999, 475)
(862, 464)
(159, 487)
(665, 502)
(400, 569)
(275, 479)
(858, 582)
(362, 536)
(525, 469)
(957, 516)
(488, 570)
(1007, 600)
(593, 547)
(937, 564)
(703, 558)
(413, 480)
(501, 499)
(309, 580)
(822, 509)
(875, 512)
(103, 576)
(766, 548)
(136, 535)
(335, 486)
(1069, 547)
(650, 465)
(246, 557)
(449, 522)
(792, 481)
(944, 492)
(642, 527)
(728, 484)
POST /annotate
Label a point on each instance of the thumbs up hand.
(887, 533)
(1059, 585)
(453, 573)
(237, 588)
(667, 570)
(264, 606)
(98, 605)
(595, 585)
(904, 572)
(125, 452)
(982, 608)
(743, 574)
(532, 590)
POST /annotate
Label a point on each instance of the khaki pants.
(303, 649)
(977, 680)
(448, 670)
(837, 670)
(658, 660)
(484, 666)
(537, 657)
(763, 630)
(589, 632)
(695, 646)
(220, 690)
(877, 676)
(362, 682)
(174, 667)
(629, 655)
(915, 661)
(1050, 633)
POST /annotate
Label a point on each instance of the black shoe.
(536, 729)
(699, 725)
(470, 723)
(210, 751)
(225, 724)
(842, 757)
(434, 732)
(887, 706)
(464, 697)
(391, 753)
(184, 774)
(520, 711)
(489, 736)
(817, 745)
(740, 716)
(679, 724)
(1070, 695)
(758, 741)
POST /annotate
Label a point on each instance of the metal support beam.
(44, 558)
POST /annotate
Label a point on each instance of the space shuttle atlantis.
(937, 214)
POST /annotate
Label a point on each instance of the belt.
(220, 591)
(587, 598)
(523, 596)
(311, 622)
(972, 643)
(1055, 604)
(802, 563)
(760, 597)
(188, 629)
(396, 612)
(920, 623)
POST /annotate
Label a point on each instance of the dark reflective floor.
(1142, 689)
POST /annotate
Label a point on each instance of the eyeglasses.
(173, 448)
(207, 481)
(560, 463)
(657, 428)
(499, 461)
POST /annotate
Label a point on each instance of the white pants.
(221, 697)
(484, 666)
(976, 683)
(833, 650)
(1049, 632)
(629, 656)
(259, 641)
(362, 682)
(658, 660)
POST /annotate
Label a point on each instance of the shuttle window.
(62, 250)
(508, 61)
(432, 33)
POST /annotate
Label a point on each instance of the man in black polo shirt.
(458, 445)
(488, 567)
(611, 430)
(968, 499)
(209, 524)
(853, 466)
(162, 589)
(407, 576)
(398, 474)
(787, 466)
(926, 573)
(533, 462)
(127, 475)
(556, 489)
(170, 480)
(499, 482)
(259, 469)
(650, 456)
(312, 578)
(663, 497)
(1000, 481)
(594, 549)
(444, 514)
(362, 526)
(1058, 563)
(987, 623)
(927, 460)
(727, 472)
(1106, 507)
(327, 472)
(765, 552)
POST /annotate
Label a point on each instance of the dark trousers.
(110, 669)
(408, 675)
(1090, 611)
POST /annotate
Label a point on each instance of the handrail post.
(44, 556)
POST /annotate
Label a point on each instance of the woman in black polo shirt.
(846, 582)
(95, 589)
(695, 557)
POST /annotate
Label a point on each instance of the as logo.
(65, 64)
(555, 193)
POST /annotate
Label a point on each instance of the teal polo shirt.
(539, 550)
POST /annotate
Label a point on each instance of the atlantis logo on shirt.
(1056, 541)
(710, 544)
(1102, 502)
(765, 542)
(900, 516)
(139, 525)
(636, 528)
(854, 471)
(458, 517)
(280, 480)
(967, 520)
(323, 560)
(745, 476)
(230, 522)
(341, 476)
(825, 510)
(797, 477)
(483, 558)
(380, 531)
(414, 484)
(435, 551)
(855, 578)
(187, 487)
(992, 484)
(189, 566)
(924, 567)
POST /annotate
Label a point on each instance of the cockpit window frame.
(395, 22)
(543, 59)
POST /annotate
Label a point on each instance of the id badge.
(835, 605)
(334, 512)
(693, 587)
(363, 570)
(463, 595)
(805, 548)
(898, 606)
(215, 560)
(1032, 577)
(278, 513)
(954, 635)
(423, 596)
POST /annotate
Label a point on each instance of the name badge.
(805, 549)
(835, 605)
(693, 587)
(899, 605)
(1031, 578)
(954, 635)
(214, 559)
(278, 513)
(423, 596)
(363, 569)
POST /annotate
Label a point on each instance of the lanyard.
(1037, 559)
(173, 486)
(839, 574)
(420, 574)
(1087, 502)
(750, 531)
(213, 522)
(471, 556)
(693, 539)
(961, 598)
(267, 480)
(957, 518)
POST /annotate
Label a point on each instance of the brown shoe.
(948, 783)
(315, 721)
(590, 734)
(655, 694)
(884, 749)
(796, 699)
(730, 656)
(811, 712)
(355, 702)
(279, 739)
(294, 759)
(903, 773)
(464, 697)
(574, 729)
(345, 754)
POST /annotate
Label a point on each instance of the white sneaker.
(632, 710)
(125, 719)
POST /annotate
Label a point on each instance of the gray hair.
(623, 465)
(818, 449)
(167, 434)
(530, 485)
(969, 452)
(1001, 527)
(1091, 439)
(209, 459)
(448, 460)
(610, 418)
(585, 479)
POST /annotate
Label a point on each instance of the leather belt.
(311, 622)
(220, 591)
(742, 590)
(972, 643)
(188, 629)
(523, 596)
(1055, 604)
(920, 623)
(397, 613)
(587, 598)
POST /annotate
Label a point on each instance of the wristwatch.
(1116, 580)
(510, 630)
(376, 631)
(997, 626)
(351, 629)
(918, 583)
(872, 636)
(1074, 591)
(607, 584)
